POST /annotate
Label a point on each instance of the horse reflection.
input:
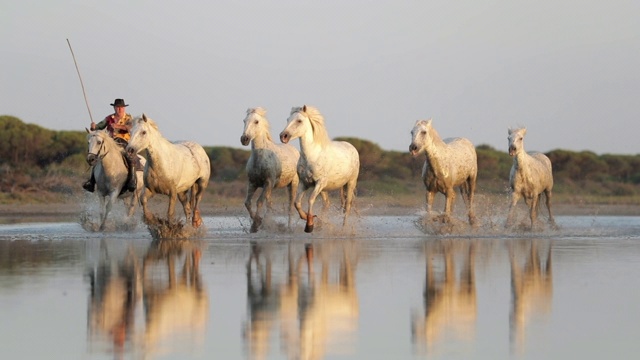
(263, 301)
(115, 290)
(450, 305)
(176, 305)
(314, 313)
(166, 277)
(531, 288)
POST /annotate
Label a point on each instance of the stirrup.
(131, 186)
(89, 186)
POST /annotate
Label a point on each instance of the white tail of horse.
(531, 175)
(324, 164)
(270, 165)
(449, 163)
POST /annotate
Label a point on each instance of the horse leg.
(471, 189)
(196, 197)
(298, 203)
(264, 195)
(148, 216)
(533, 210)
(292, 187)
(105, 207)
(173, 196)
(131, 204)
(547, 198)
(429, 197)
(186, 205)
(348, 201)
(251, 189)
(450, 197)
(325, 201)
(312, 199)
(515, 196)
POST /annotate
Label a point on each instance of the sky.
(567, 70)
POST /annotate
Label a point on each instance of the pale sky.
(567, 70)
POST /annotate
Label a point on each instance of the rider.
(119, 126)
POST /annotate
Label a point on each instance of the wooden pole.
(81, 83)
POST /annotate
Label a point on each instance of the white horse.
(270, 165)
(110, 172)
(449, 163)
(530, 176)
(324, 164)
(172, 168)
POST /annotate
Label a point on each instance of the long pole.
(81, 83)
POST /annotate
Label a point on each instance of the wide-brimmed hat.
(119, 103)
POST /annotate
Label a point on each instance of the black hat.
(119, 103)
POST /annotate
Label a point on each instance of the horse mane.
(258, 110)
(263, 113)
(107, 140)
(104, 134)
(320, 134)
(435, 136)
(148, 120)
(517, 129)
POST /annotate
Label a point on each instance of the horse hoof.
(256, 224)
(308, 228)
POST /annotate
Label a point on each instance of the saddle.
(133, 159)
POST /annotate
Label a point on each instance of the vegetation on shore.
(38, 165)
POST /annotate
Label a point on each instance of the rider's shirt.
(116, 133)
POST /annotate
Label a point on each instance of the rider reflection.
(174, 306)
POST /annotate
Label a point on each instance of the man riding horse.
(119, 125)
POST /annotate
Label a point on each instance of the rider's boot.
(132, 182)
(90, 184)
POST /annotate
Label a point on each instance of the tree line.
(29, 153)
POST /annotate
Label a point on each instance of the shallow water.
(380, 289)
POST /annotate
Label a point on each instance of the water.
(379, 290)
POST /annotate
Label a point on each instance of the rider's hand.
(93, 126)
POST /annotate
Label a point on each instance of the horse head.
(295, 125)
(516, 140)
(305, 121)
(140, 134)
(255, 124)
(420, 135)
(96, 146)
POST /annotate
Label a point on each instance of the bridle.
(97, 154)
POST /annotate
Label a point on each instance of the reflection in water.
(174, 307)
(450, 306)
(115, 290)
(531, 287)
(316, 313)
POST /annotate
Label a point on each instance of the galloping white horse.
(270, 165)
(450, 163)
(173, 168)
(110, 172)
(530, 176)
(324, 164)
